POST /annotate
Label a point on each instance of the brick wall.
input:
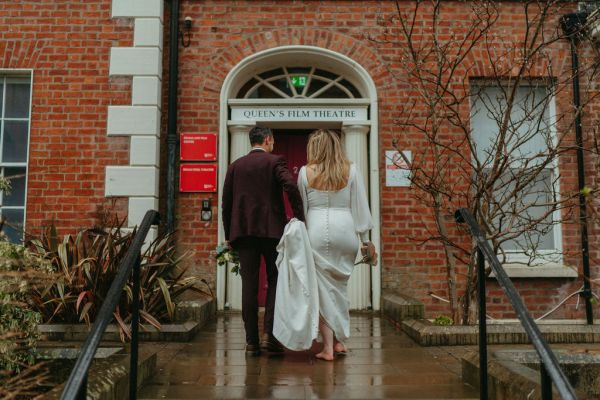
(224, 33)
(67, 45)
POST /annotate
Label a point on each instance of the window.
(523, 207)
(15, 96)
(298, 82)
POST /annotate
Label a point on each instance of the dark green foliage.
(87, 264)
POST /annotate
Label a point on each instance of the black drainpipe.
(172, 137)
(572, 24)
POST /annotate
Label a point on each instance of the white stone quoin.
(146, 91)
(146, 61)
(137, 8)
(131, 181)
(141, 120)
(144, 150)
(148, 32)
(133, 120)
(138, 207)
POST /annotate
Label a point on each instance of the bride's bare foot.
(324, 356)
(339, 348)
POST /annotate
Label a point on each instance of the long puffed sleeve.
(303, 190)
(359, 204)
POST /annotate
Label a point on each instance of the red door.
(292, 145)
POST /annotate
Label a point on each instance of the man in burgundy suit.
(254, 219)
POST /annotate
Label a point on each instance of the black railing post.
(547, 357)
(573, 25)
(546, 382)
(82, 393)
(483, 373)
(135, 326)
(129, 264)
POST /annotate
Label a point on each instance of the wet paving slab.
(382, 363)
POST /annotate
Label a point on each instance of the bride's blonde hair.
(326, 155)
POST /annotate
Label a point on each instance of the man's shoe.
(272, 345)
(252, 350)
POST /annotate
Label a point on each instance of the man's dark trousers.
(250, 250)
(254, 220)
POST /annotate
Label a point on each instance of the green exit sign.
(298, 81)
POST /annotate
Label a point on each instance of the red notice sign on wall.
(198, 177)
(198, 147)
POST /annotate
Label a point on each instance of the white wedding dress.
(335, 220)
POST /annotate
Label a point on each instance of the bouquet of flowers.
(369, 254)
(225, 254)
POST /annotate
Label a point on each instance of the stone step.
(399, 307)
(514, 373)
(108, 378)
(426, 333)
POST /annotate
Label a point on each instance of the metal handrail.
(549, 367)
(76, 386)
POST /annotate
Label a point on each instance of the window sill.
(550, 270)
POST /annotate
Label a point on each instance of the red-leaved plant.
(86, 265)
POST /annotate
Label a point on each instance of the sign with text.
(198, 178)
(298, 81)
(397, 172)
(198, 147)
(299, 113)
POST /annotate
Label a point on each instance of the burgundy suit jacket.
(252, 203)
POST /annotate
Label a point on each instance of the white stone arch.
(328, 60)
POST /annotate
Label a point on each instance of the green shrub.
(87, 264)
(21, 272)
(443, 320)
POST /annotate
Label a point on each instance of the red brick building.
(85, 94)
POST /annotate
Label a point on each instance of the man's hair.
(258, 135)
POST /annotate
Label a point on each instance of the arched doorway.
(301, 88)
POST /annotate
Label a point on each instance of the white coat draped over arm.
(296, 318)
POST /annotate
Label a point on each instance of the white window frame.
(515, 259)
(310, 76)
(25, 74)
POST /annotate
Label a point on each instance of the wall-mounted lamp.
(186, 34)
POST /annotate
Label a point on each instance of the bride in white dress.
(337, 216)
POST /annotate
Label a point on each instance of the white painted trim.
(552, 259)
(295, 102)
(16, 71)
(27, 170)
(352, 71)
(550, 270)
(12, 72)
(593, 25)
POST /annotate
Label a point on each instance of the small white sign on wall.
(346, 113)
(397, 172)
